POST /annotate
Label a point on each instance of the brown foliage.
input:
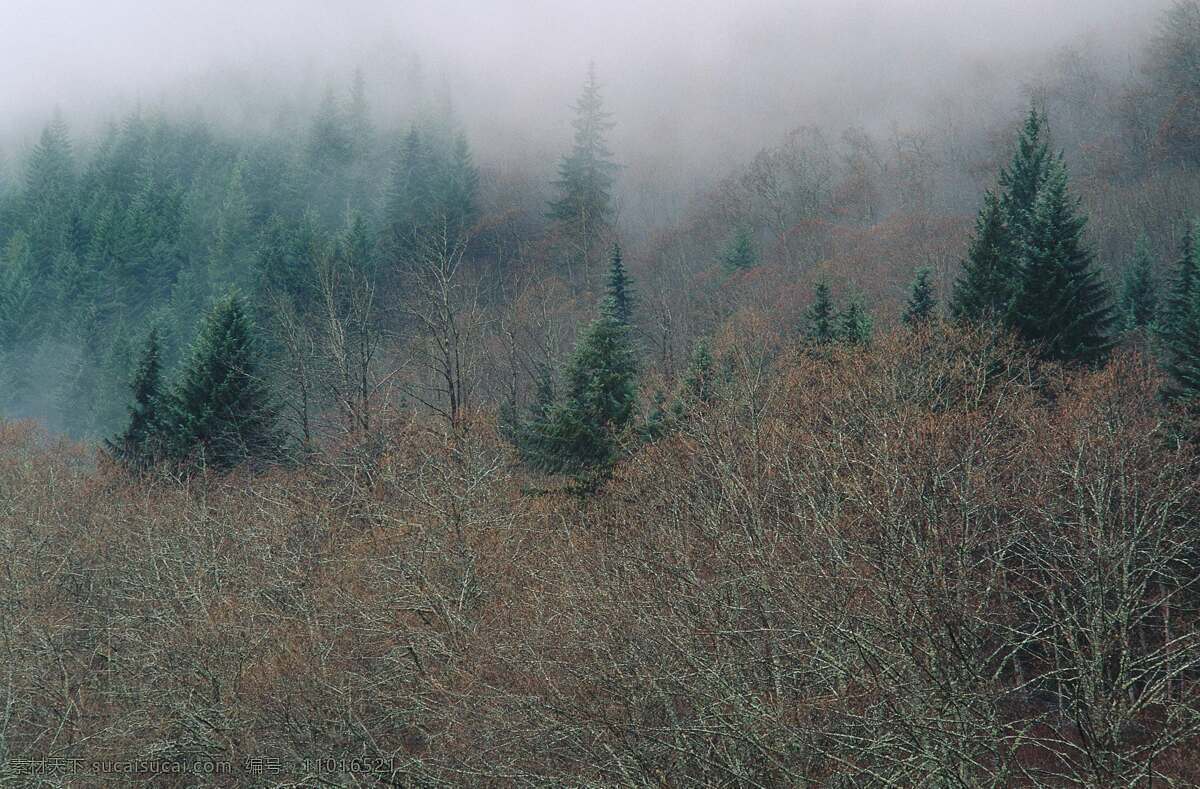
(926, 562)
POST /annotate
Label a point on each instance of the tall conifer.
(985, 288)
(821, 319)
(1139, 292)
(583, 206)
(922, 301)
(221, 406)
(1063, 305)
(144, 440)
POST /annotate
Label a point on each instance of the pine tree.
(1180, 330)
(1139, 295)
(354, 245)
(659, 421)
(410, 200)
(585, 176)
(699, 381)
(922, 303)
(1022, 181)
(1063, 305)
(854, 323)
(221, 407)
(740, 254)
(49, 196)
(230, 260)
(820, 318)
(580, 434)
(144, 440)
(1179, 304)
(330, 141)
(984, 290)
(600, 383)
(459, 190)
(619, 299)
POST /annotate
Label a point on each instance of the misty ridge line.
(251, 135)
(726, 76)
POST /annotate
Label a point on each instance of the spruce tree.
(985, 288)
(1063, 305)
(583, 206)
(580, 435)
(854, 323)
(922, 302)
(820, 319)
(991, 272)
(619, 298)
(1022, 181)
(1139, 293)
(459, 190)
(1180, 301)
(700, 379)
(144, 440)
(49, 197)
(1180, 330)
(740, 254)
(409, 210)
(221, 407)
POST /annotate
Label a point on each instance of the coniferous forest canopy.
(784, 395)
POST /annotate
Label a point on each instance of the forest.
(356, 444)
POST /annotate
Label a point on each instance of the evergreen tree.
(1063, 305)
(922, 302)
(854, 323)
(459, 190)
(1022, 181)
(1179, 304)
(580, 433)
(432, 199)
(330, 142)
(984, 290)
(820, 318)
(585, 176)
(600, 383)
(1180, 330)
(619, 299)
(354, 245)
(740, 254)
(1139, 295)
(700, 379)
(49, 196)
(659, 421)
(144, 440)
(221, 406)
(230, 255)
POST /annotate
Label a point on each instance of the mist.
(695, 87)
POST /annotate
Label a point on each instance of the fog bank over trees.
(698, 86)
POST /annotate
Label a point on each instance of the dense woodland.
(876, 465)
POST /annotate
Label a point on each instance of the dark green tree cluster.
(1179, 329)
(824, 324)
(431, 198)
(1139, 291)
(740, 254)
(581, 430)
(163, 216)
(1028, 266)
(922, 301)
(219, 413)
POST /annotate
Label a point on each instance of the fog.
(687, 80)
